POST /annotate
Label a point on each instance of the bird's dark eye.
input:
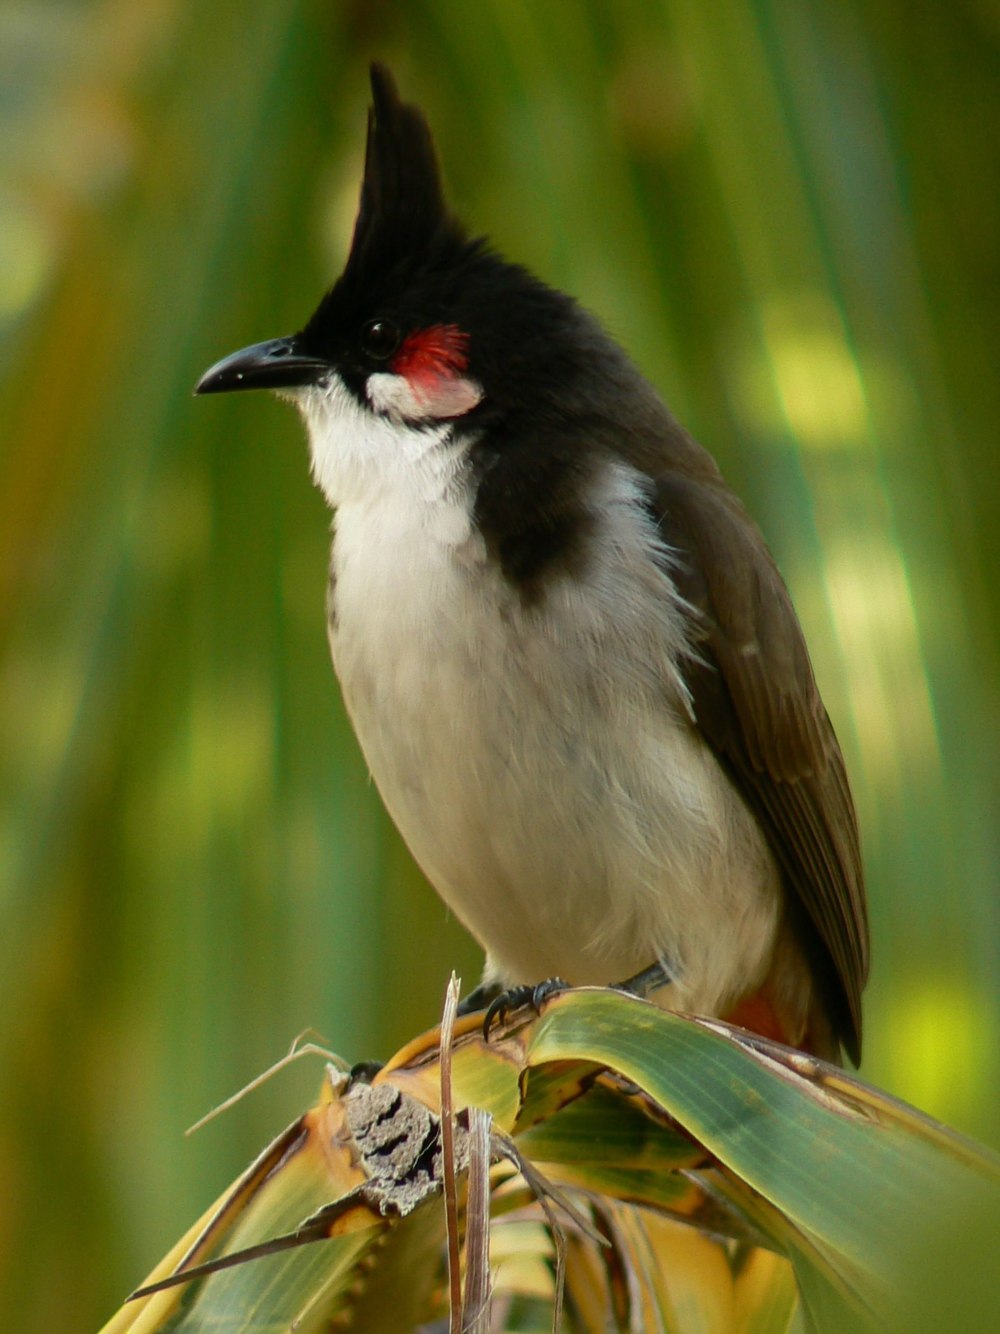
(379, 339)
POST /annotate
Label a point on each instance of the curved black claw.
(515, 998)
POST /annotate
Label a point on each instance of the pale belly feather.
(567, 811)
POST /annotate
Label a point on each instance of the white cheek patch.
(433, 397)
(358, 454)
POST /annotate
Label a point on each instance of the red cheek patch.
(430, 355)
(429, 371)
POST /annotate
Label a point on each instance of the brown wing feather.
(756, 702)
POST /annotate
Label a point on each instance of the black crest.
(402, 208)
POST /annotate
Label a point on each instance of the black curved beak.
(279, 363)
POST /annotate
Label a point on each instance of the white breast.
(540, 761)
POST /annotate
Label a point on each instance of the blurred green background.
(786, 209)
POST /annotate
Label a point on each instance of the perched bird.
(571, 662)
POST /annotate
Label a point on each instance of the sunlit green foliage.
(778, 1183)
(785, 209)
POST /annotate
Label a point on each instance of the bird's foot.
(520, 997)
(499, 1003)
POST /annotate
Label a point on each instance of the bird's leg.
(643, 984)
(479, 998)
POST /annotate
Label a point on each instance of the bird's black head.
(458, 327)
(430, 331)
(395, 308)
